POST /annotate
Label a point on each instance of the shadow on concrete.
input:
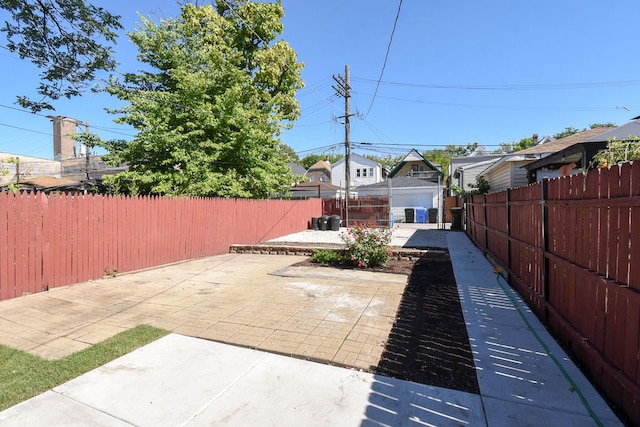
(398, 403)
(426, 239)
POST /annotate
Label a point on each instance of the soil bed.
(428, 343)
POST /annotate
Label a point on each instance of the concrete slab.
(403, 236)
(179, 380)
(516, 374)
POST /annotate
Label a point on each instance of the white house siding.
(499, 178)
(371, 169)
(507, 175)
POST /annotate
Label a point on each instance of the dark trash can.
(433, 215)
(314, 222)
(456, 218)
(409, 215)
(334, 222)
(323, 221)
(421, 215)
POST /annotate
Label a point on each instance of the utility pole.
(343, 89)
(87, 153)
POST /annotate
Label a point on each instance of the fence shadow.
(400, 403)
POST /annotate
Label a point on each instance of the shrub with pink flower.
(367, 245)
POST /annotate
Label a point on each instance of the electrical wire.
(543, 86)
(386, 57)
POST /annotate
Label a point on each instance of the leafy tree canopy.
(510, 147)
(388, 161)
(443, 157)
(311, 159)
(290, 152)
(67, 39)
(217, 91)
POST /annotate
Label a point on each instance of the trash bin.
(433, 215)
(456, 218)
(409, 215)
(334, 223)
(323, 222)
(421, 215)
(314, 222)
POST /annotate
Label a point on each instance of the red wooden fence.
(48, 241)
(571, 247)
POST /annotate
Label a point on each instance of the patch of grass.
(24, 375)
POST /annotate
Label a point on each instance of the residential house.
(414, 165)
(464, 170)
(508, 171)
(413, 183)
(319, 172)
(363, 171)
(572, 154)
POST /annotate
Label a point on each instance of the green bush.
(367, 245)
(325, 256)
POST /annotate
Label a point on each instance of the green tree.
(510, 147)
(311, 159)
(443, 157)
(290, 152)
(68, 39)
(218, 90)
(568, 131)
(388, 161)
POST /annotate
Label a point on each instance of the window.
(364, 172)
(358, 173)
(323, 178)
(371, 172)
(312, 178)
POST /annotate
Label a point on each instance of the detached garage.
(406, 192)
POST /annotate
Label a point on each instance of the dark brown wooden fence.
(571, 247)
(372, 210)
(47, 241)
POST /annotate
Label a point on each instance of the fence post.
(484, 223)
(545, 245)
(508, 208)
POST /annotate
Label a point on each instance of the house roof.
(507, 159)
(49, 182)
(361, 159)
(563, 143)
(413, 156)
(631, 129)
(483, 164)
(297, 169)
(308, 185)
(401, 182)
(320, 165)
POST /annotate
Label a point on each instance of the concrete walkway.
(265, 302)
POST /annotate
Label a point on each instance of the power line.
(386, 57)
(526, 87)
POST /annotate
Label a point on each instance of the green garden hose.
(574, 387)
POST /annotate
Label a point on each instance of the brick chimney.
(64, 147)
(534, 139)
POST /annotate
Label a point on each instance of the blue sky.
(457, 72)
